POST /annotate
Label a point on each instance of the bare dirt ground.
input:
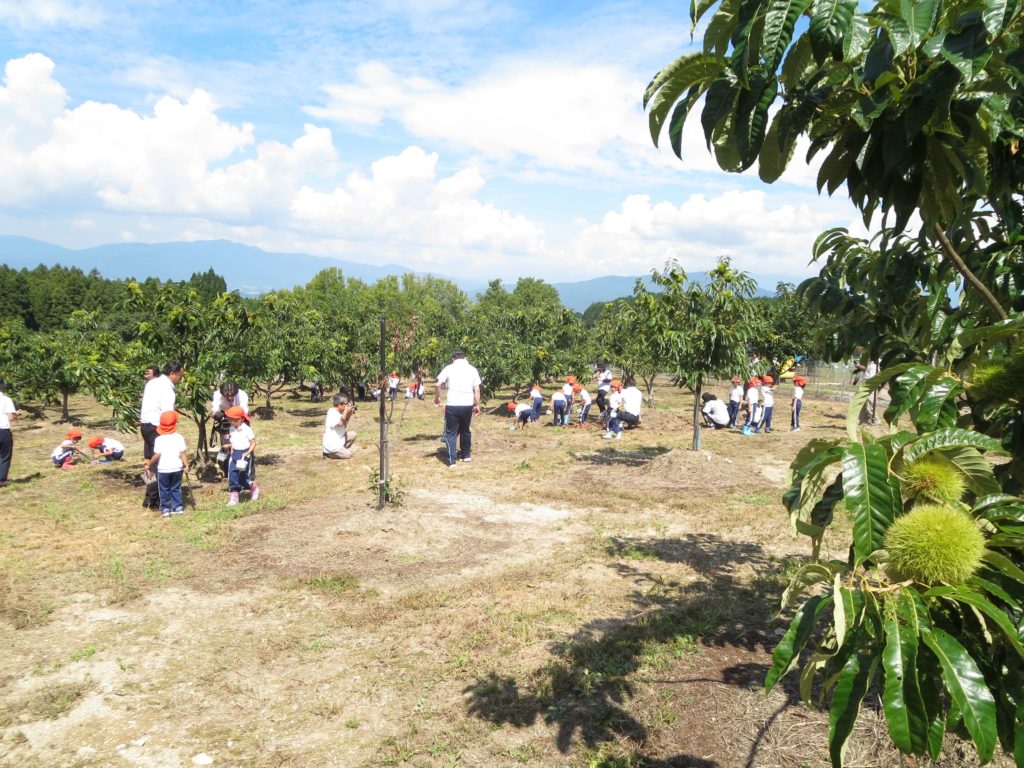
(561, 601)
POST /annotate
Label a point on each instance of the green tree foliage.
(699, 331)
(517, 337)
(916, 109)
(627, 336)
(785, 326)
(209, 285)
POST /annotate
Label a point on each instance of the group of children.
(103, 450)
(619, 407)
(757, 402)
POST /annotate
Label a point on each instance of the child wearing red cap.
(393, 382)
(63, 456)
(567, 391)
(520, 413)
(767, 403)
(585, 402)
(105, 449)
(799, 382)
(241, 466)
(753, 405)
(170, 455)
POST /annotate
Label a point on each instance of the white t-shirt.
(6, 409)
(614, 403)
(767, 396)
(110, 444)
(241, 400)
(716, 411)
(170, 447)
(535, 393)
(567, 390)
(66, 445)
(632, 399)
(522, 408)
(736, 393)
(334, 431)
(584, 396)
(241, 437)
(157, 397)
(461, 378)
(871, 369)
(752, 396)
(393, 382)
(557, 397)
(798, 392)
(604, 380)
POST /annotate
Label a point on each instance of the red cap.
(236, 412)
(74, 434)
(95, 442)
(768, 379)
(168, 422)
(615, 384)
(510, 406)
(577, 387)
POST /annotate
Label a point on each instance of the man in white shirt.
(158, 397)
(462, 401)
(8, 413)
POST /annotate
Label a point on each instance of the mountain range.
(252, 271)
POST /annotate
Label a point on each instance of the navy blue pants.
(558, 406)
(240, 479)
(6, 452)
(734, 412)
(457, 419)
(170, 490)
(797, 404)
(538, 403)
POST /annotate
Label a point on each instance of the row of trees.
(64, 332)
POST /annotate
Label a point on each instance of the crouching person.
(716, 413)
(105, 449)
(338, 438)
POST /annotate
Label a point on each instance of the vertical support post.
(383, 479)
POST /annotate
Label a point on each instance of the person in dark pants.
(8, 413)
(157, 398)
(462, 382)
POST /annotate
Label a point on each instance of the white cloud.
(180, 171)
(760, 235)
(561, 116)
(49, 13)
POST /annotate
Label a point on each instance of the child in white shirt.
(799, 382)
(241, 465)
(520, 414)
(735, 398)
(753, 405)
(538, 401)
(170, 455)
(585, 402)
(768, 401)
(63, 456)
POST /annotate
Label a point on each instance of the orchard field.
(561, 601)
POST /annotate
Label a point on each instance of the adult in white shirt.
(632, 400)
(338, 438)
(604, 379)
(462, 401)
(228, 395)
(8, 413)
(716, 413)
(158, 397)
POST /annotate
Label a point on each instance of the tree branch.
(963, 269)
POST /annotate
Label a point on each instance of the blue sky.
(473, 138)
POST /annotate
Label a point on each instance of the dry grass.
(558, 602)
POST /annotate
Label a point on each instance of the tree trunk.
(64, 415)
(649, 385)
(696, 416)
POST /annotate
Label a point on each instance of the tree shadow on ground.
(422, 436)
(585, 688)
(309, 412)
(268, 459)
(615, 457)
(129, 474)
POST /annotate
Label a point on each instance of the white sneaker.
(607, 436)
(232, 498)
(618, 435)
(255, 494)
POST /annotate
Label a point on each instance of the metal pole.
(383, 479)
